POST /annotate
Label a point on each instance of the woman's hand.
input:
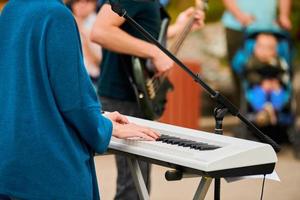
(117, 117)
(131, 130)
(123, 129)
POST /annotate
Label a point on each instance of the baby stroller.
(282, 129)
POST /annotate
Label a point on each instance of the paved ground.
(287, 189)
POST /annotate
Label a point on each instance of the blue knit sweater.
(50, 121)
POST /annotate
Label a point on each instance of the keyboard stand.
(142, 189)
(138, 178)
(202, 188)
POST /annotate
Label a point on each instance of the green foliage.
(296, 30)
(214, 13)
(296, 16)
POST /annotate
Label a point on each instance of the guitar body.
(151, 91)
(152, 103)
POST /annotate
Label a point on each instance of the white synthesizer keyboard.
(198, 152)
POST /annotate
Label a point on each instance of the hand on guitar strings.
(161, 61)
(123, 129)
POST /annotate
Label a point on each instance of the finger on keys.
(144, 136)
(150, 132)
(122, 119)
(117, 117)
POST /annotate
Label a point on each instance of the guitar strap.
(130, 78)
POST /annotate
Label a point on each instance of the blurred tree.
(214, 13)
(296, 31)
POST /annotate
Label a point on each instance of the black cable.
(262, 189)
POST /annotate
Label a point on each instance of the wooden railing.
(184, 102)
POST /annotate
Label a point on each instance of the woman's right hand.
(123, 129)
(131, 130)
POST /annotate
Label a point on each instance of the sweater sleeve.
(72, 89)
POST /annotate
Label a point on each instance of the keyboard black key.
(168, 140)
(172, 140)
(163, 137)
(175, 141)
(184, 142)
(211, 147)
(189, 144)
(205, 147)
(198, 144)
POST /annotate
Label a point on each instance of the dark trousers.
(234, 40)
(125, 185)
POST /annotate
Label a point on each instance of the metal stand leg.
(138, 179)
(217, 189)
(219, 114)
(143, 192)
(202, 188)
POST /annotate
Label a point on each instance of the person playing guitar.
(120, 42)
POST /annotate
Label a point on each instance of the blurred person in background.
(85, 14)
(252, 16)
(51, 122)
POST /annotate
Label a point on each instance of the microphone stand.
(223, 104)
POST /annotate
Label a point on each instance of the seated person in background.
(85, 14)
(266, 74)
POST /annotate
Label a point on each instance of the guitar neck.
(199, 5)
(182, 36)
